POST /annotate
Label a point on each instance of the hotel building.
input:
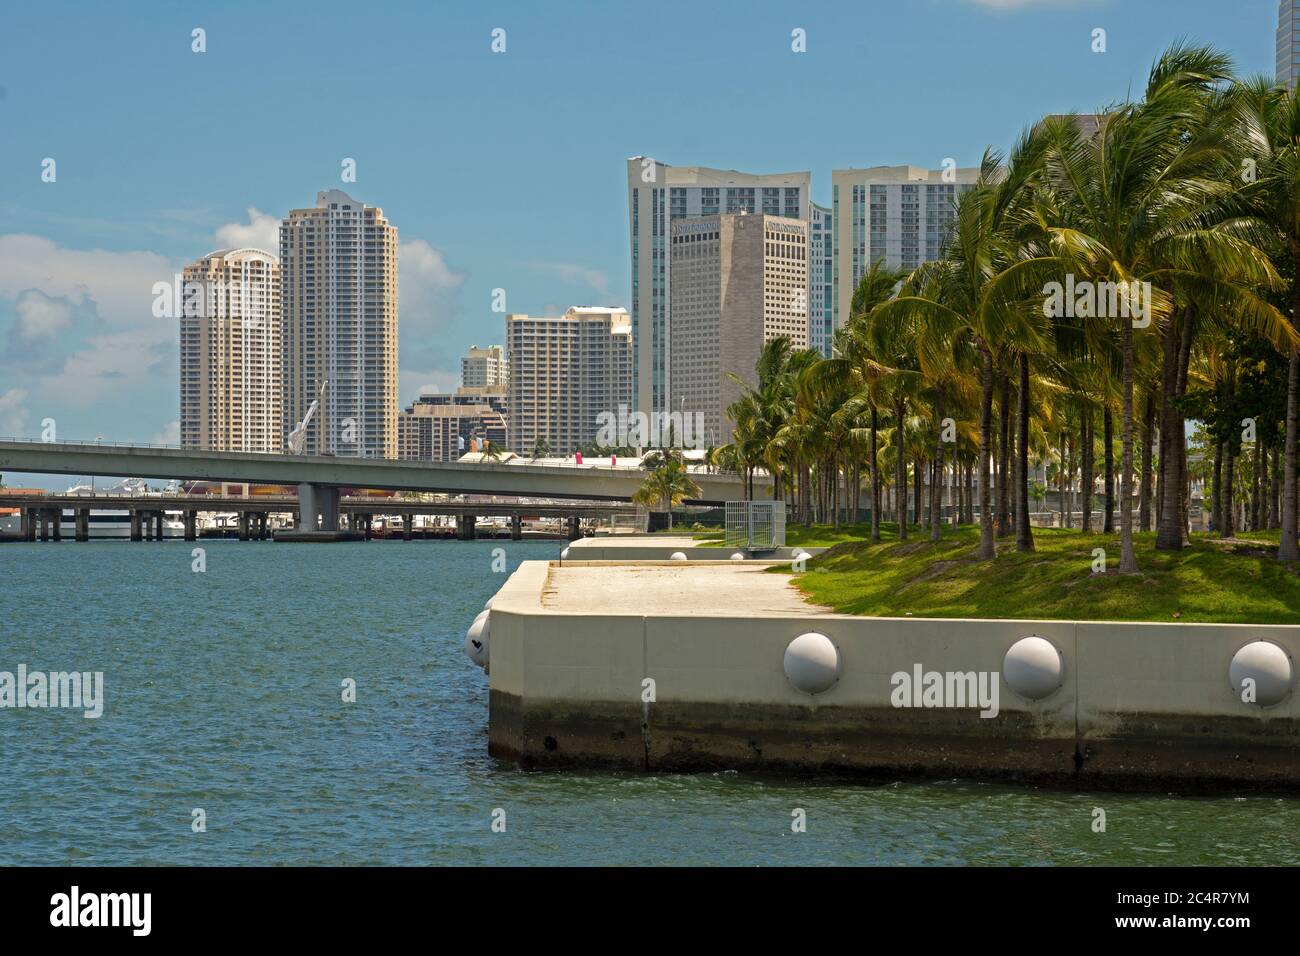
(896, 214)
(657, 196)
(739, 281)
(564, 372)
(484, 368)
(230, 352)
(338, 294)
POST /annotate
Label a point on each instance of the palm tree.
(668, 484)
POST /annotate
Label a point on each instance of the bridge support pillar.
(408, 527)
(516, 528)
(575, 528)
(328, 502)
(243, 526)
(136, 530)
(158, 525)
(82, 532)
(308, 508)
(191, 526)
(367, 525)
(56, 519)
(465, 524)
(29, 524)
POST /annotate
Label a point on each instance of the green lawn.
(1206, 582)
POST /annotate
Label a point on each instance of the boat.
(116, 523)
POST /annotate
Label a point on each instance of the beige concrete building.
(898, 214)
(338, 294)
(564, 373)
(657, 196)
(484, 368)
(739, 281)
(230, 352)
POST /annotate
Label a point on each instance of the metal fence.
(755, 525)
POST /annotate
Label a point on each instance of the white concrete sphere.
(737, 556)
(812, 662)
(677, 556)
(1032, 667)
(476, 640)
(564, 555)
(1270, 668)
(803, 556)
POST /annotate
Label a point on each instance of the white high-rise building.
(483, 368)
(564, 373)
(898, 214)
(230, 352)
(338, 295)
(658, 195)
(740, 281)
(1288, 43)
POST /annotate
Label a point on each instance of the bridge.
(320, 478)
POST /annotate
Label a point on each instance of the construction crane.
(298, 437)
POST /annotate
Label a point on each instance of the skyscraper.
(659, 194)
(564, 373)
(1288, 43)
(338, 295)
(739, 282)
(898, 214)
(230, 352)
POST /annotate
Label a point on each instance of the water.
(223, 692)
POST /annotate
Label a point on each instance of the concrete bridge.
(320, 478)
(43, 515)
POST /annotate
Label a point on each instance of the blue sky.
(499, 170)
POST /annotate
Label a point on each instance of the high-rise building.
(482, 368)
(338, 295)
(1288, 43)
(738, 282)
(564, 373)
(659, 194)
(821, 273)
(230, 352)
(898, 214)
(442, 427)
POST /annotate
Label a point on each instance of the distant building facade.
(338, 295)
(442, 427)
(660, 194)
(230, 342)
(564, 372)
(821, 277)
(739, 282)
(1288, 43)
(484, 368)
(900, 215)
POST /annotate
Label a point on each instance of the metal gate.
(755, 525)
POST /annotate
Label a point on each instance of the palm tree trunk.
(1005, 481)
(1169, 536)
(1024, 535)
(1228, 528)
(918, 469)
(936, 487)
(1127, 559)
(1108, 457)
(987, 549)
(900, 474)
(875, 479)
(1085, 437)
(1216, 497)
(1144, 494)
(1288, 549)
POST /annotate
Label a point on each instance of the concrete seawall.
(1138, 706)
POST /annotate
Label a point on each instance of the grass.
(1207, 582)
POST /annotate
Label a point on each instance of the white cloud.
(13, 413)
(423, 279)
(112, 364)
(574, 274)
(40, 316)
(170, 434)
(262, 231)
(119, 283)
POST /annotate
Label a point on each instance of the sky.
(499, 169)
